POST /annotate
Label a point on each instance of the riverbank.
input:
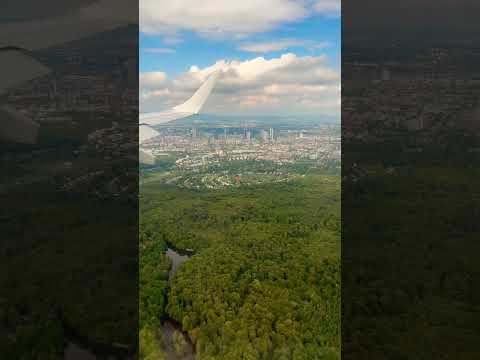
(81, 347)
(177, 343)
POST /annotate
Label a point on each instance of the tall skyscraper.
(263, 135)
(385, 74)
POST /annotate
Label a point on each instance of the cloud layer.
(159, 50)
(328, 8)
(217, 17)
(282, 44)
(288, 84)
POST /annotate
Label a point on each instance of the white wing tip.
(196, 102)
(145, 157)
(17, 128)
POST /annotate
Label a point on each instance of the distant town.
(201, 146)
(87, 109)
(207, 157)
(435, 90)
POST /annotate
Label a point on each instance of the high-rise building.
(272, 138)
(54, 88)
(385, 74)
(263, 135)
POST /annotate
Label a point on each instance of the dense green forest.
(67, 262)
(409, 260)
(264, 282)
(153, 276)
(89, 273)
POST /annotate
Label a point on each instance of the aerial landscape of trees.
(39, 316)
(410, 245)
(264, 280)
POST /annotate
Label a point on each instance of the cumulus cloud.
(217, 17)
(285, 89)
(282, 44)
(329, 8)
(288, 84)
(152, 81)
(29, 10)
(149, 94)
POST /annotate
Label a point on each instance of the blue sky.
(277, 56)
(204, 51)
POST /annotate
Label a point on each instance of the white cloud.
(285, 89)
(29, 10)
(288, 84)
(153, 79)
(217, 17)
(159, 50)
(145, 95)
(283, 44)
(329, 8)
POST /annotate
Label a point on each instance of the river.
(74, 350)
(177, 258)
(169, 326)
(82, 349)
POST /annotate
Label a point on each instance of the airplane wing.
(144, 157)
(100, 16)
(162, 117)
(17, 66)
(16, 38)
(15, 127)
(190, 107)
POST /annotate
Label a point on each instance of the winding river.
(169, 326)
(177, 258)
(75, 350)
